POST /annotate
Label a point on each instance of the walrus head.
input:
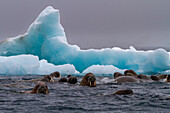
(41, 87)
(132, 72)
(47, 78)
(68, 76)
(117, 74)
(72, 80)
(55, 74)
(89, 80)
(143, 77)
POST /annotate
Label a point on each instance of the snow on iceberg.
(46, 39)
(19, 65)
(47, 68)
(101, 69)
(29, 64)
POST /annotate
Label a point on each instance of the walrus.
(123, 92)
(132, 72)
(168, 78)
(63, 79)
(47, 78)
(41, 87)
(143, 77)
(89, 80)
(154, 78)
(72, 80)
(117, 74)
(55, 74)
(162, 76)
(69, 76)
(119, 92)
(123, 79)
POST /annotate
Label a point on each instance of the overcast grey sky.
(95, 23)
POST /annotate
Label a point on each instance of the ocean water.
(63, 97)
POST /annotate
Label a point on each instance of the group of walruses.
(90, 80)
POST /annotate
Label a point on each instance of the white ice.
(29, 64)
(101, 69)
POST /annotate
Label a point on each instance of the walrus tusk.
(94, 83)
(90, 83)
(51, 80)
(59, 76)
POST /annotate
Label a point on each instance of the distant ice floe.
(101, 69)
(29, 64)
(46, 39)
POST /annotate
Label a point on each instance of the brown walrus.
(47, 78)
(162, 76)
(69, 76)
(72, 80)
(154, 78)
(89, 80)
(123, 79)
(143, 77)
(117, 74)
(55, 74)
(63, 79)
(41, 87)
(119, 92)
(123, 92)
(132, 72)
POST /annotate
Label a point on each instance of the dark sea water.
(67, 98)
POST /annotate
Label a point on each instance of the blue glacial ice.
(46, 39)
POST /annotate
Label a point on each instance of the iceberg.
(30, 65)
(19, 65)
(46, 39)
(103, 69)
(47, 68)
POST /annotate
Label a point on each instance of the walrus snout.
(41, 89)
(92, 84)
(117, 74)
(92, 81)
